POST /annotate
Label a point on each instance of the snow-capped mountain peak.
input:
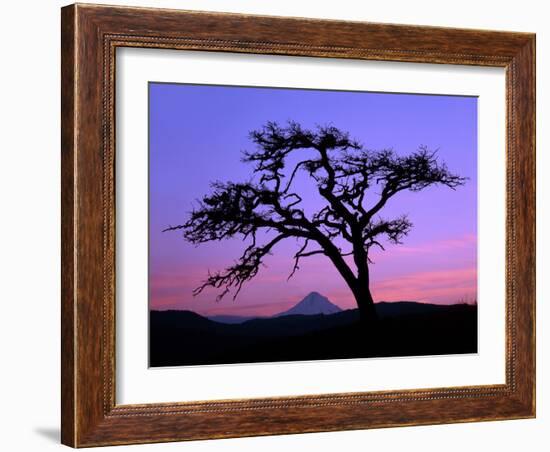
(314, 303)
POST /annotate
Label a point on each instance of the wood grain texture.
(68, 147)
(90, 36)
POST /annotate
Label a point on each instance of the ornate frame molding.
(90, 36)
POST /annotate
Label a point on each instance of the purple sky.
(196, 136)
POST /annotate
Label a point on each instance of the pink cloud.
(433, 286)
(439, 246)
(445, 272)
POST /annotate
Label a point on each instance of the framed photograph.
(281, 225)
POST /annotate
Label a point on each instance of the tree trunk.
(365, 303)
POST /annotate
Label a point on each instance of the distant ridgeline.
(313, 329)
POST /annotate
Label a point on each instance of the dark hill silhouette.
(404, 329)
(230, 319)
(311, 304)
(383, 309)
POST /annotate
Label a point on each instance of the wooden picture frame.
(90, 36)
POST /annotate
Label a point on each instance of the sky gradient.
(196, 135)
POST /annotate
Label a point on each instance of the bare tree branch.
(355, 184)
(303, 253)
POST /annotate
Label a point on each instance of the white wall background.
(29, 228)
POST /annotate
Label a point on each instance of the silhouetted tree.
(346, 176)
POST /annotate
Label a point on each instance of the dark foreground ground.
(180, 338)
